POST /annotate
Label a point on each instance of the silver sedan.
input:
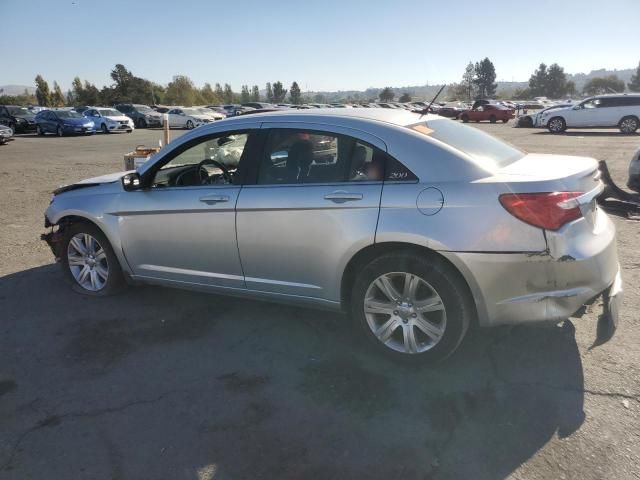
(417, 226)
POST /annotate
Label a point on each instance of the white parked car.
(212, 114)
(109, 120)
(603, 111)
(187, 118)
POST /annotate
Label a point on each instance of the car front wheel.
(465, 118)
(492, 119)
(89, 261)
(412, 307)
(141, 123)
(59, 131)
(104, 128)
(39, 130)
(557, 125)
(189, 125)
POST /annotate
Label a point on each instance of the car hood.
(92, 182)
(26, 116)
(76, 121)
(117, 118)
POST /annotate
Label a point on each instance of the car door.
(51, 122)
(587, 114)
(180, 230)
(309, 209)
(5, 119)
(175, 119)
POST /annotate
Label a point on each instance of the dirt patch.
(237, 382)
(7, 386)
(109, 340)
(343, 383)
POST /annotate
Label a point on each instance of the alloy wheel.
(556, 125)
(628, 125)
(87, 262)
(405, 312)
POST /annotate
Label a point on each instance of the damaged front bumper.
(53, 238)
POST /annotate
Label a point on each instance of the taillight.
(550, 210)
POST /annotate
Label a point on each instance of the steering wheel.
(203, 175)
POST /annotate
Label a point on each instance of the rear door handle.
(341, 197)
(214, 198)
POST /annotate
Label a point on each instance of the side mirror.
(131, 182)
(577, 107)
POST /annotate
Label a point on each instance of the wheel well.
(629, 116)
(63, 224)
(368, 254)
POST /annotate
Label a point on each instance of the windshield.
(485, 150)
(68, 114)
(144, 108)
(18, 111)
(109, 113)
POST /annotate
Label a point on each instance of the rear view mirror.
(131, 182)
(279, 156)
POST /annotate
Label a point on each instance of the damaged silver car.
(416, 226)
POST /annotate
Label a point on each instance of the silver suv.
(416, 225)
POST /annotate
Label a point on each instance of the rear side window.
(305, 156)
(485, 150)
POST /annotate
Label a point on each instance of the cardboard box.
(141, 154)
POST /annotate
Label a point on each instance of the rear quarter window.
(484, 150)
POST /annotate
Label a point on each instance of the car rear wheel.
(59, 131)
(557, 125)
(89, 261)
(465, 118)
(189, 125)
(39, 130)
(505, 120)
(411, 307)
(493, 119)
(104, 128)
(628, 125)
(141, 123)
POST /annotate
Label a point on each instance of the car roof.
(398, 117)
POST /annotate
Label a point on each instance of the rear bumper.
(511, 288)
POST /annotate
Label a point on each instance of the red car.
(490, 112)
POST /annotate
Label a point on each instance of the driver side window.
(210, 161)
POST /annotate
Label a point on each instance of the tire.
(556, 125)
(104, 128)
(189, 125)
(447, 322)
(59, 131)
(505, 120)
(39, 130)
(629, 125)
(73, 263)
(141, 123)
(465, 118)
(493, 119)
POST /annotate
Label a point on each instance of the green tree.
(42, 92)
(405, 97)
(386, 95)
(538, 81)
(245, 95)
(57, 97)
(255, 93)
(219, 92)
(270, 97)
(467, 80)
(77, 92)
(181, 91)
(556, 82)
(228, 96)
(319, 98)
(279, 92)
(208, 95)
(634, 84)
(294, 93)
(485, 77)
(122, 78)
(600, 85)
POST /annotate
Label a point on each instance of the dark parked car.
(5, 134)
(489, 111)
(19, 119)
(258, 105)
(63, 122)
(142, 115)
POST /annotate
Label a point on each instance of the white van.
(603, 111)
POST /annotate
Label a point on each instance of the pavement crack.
(54, 420)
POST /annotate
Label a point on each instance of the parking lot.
(167, 384)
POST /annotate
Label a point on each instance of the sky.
(323, 45)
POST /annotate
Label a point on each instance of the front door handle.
(341, 197)
(214, 198)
